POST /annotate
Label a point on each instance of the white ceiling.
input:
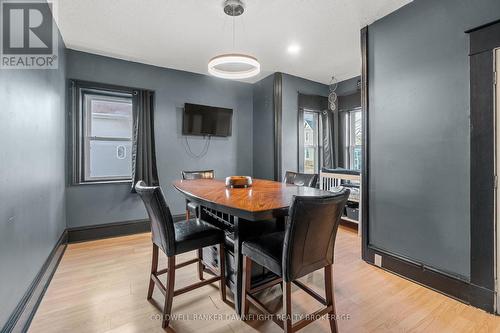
(185, 34)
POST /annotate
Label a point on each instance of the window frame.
(318, 145)
(79, 148)
(350, 140)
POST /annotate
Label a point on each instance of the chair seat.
(266, 250)
(194, 234)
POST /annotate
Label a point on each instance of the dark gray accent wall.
(292, 85)
(106, 203)
(419, 131)
(349, 96)
(263, 130)
(348, 87)
(349, 102)
(32, 169)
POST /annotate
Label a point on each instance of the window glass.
(111, 118)
(311, 140)
(355, 140)
(110, 159)
(108, 128)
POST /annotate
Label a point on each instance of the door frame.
(483, 41)
(496, 103)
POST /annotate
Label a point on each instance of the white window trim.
(87, 136)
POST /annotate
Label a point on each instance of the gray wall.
(292, 85)
(419, 131)
(96, 204)
(347, 87)
(349, 96)
(32, 169)
(263, 127)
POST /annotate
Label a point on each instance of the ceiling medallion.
(234, 66)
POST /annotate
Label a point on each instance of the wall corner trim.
(278, 131)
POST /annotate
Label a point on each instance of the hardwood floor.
(101, 286)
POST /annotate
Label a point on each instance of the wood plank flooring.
(101, 286)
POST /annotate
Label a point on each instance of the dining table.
(242, 213)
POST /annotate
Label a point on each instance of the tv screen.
(206, 120)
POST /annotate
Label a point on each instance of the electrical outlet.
(378, 260)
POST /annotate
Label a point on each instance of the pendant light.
(233, 65)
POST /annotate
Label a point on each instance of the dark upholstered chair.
(176, 238)
(301, 179)
(305, 246)
(191, 207)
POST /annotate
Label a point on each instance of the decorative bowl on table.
(238, 181)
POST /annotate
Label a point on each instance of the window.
(353, 139)
(103, 135)
(311, 141)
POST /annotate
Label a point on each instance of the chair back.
(162, 223)
(310, 233)
(301, 179)
(200, 174)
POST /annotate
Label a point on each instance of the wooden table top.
(264, 199)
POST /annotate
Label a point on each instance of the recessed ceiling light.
(293, 48)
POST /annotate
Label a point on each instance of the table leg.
(280, 223)
(238, 265)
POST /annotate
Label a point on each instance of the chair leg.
(200, 264)
(188, 213)
(330, 299)
(222, 271)
(169, 295)
(247, 284)
(287, 307)
(154, 269)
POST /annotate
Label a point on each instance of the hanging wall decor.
(332, 96)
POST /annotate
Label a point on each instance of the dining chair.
(191, 207)
(176, 238)
(306, 245)
(301, 179)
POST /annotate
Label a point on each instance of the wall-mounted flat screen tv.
(206, 120)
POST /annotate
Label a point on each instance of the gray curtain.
(143, 145)
(328, 158)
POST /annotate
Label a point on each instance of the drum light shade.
(234, 66)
